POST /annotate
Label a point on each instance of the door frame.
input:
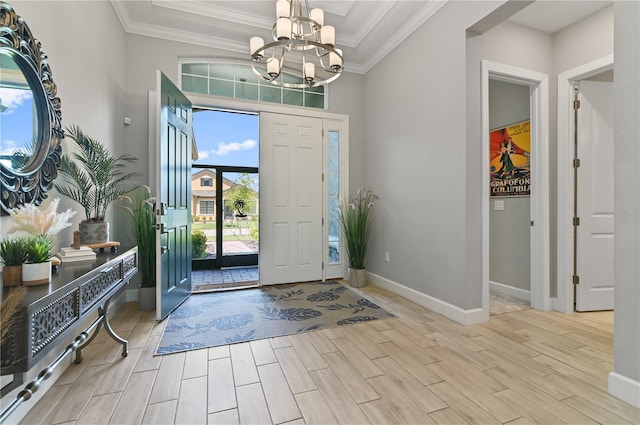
(329, 118)
(564, 299)
(539, 106)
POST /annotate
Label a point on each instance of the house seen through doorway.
(225, 200)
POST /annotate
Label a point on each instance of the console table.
(52, 312)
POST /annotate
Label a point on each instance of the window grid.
(207, 208)
(239, 82)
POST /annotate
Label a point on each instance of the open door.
(594, 193)
(173, 205)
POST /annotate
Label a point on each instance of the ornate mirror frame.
(30, 183)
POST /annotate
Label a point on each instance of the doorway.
(539, 180)
(510, 206)
(225, 200)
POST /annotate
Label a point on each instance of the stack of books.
(70, 254)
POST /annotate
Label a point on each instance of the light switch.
(498, 205)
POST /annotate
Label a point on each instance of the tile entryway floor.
(212, 280)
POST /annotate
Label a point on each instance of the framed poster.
(509, 160)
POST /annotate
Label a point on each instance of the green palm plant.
(142, 225)
(355, 221)
(93, 177)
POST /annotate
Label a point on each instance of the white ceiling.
(366, 30)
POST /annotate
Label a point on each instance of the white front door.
(595, 197)
(290, 198)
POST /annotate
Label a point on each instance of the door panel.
(174, 195)
(290, 198)
(595, 197)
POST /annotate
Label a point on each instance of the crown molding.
(405, 31)
(212, 10)
(134, 27)
(379, 13)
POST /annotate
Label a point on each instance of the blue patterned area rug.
(220, 318)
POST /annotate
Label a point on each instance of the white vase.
(93, 233)
(36, 273)
(357, 277)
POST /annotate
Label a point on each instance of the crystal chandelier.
(300, 37)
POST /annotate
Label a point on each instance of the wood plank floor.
(525, 367)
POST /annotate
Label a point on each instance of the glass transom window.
(237, 80)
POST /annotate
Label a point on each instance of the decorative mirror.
(30, 116)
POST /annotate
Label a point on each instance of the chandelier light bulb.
(254, 44)
(283, 28)
(317, 15)
(273, 68)
(309, 72)
(328, 35)
(335, 61)
(283, 9)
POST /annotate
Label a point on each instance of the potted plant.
(12, 254)
(37, 268)
(39, 224)
(93, 178)
(355, 222)
(140, 209)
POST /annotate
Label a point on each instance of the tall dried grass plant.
(355, 221)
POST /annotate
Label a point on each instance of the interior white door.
(290, 199)
(595, 197)
(173, 200)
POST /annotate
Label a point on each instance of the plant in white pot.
(40, 224)
(140, 208)
(37, 269)
(355, 221)
(94, 178)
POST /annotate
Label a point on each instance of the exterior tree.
(244, 191)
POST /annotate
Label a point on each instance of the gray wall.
(417, 159)
(509, 238)
(626, 341)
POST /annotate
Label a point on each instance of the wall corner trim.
(465, 317)
(626, 389)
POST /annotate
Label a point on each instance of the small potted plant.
(37, 268)
(142, 224)
(12, 254)
(94, 178)
(355, 221)
(39, 224)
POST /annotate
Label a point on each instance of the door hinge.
(576, 104)
(323, 221)
(576, 279)
(576, 221)
(323, 265)
(322, 176)
(576, 163)
(531, 223)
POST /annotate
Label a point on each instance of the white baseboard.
(512, 291)
(624, 388)
(465, 317)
